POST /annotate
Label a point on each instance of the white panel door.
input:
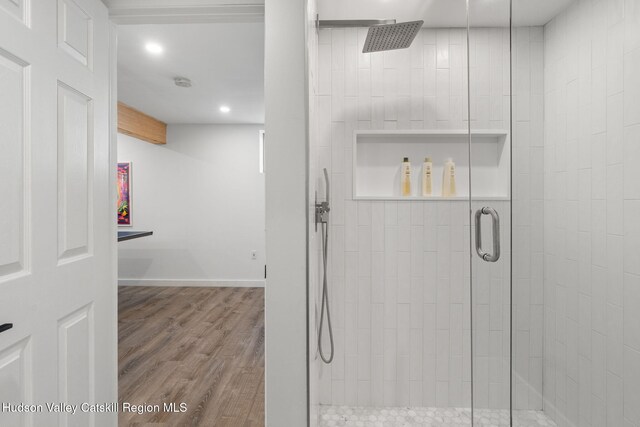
(57, 231)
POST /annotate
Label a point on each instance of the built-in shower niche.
(377, 158)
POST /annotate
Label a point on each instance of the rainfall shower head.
(391, 37)
(384, 34)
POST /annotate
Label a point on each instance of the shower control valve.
(322, 212)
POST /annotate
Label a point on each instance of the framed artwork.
(124, 193)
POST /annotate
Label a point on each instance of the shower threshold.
(350, 416)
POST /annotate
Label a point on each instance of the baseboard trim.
(193, 283)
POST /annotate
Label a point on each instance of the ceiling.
(445, 13)
(225, 62)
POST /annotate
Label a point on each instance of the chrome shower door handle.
(495, 222)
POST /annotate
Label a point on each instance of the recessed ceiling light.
(225, 109)
(154, 48)
(182, 81)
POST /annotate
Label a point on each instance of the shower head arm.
(352, 23)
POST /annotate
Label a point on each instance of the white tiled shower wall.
(399, 271)
(592, 215)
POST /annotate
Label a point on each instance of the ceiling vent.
(182, 81)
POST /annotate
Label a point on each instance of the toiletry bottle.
(405, 179)
(449, 179)
(427, 167)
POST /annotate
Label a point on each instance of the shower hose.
(325, 297)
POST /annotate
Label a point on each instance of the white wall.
(399, 274)
(286, 105)
(592, 215)
(202, 195)
(316, 184)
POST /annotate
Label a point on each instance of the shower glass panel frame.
(506, 99)
(490, 210)
(424, 317)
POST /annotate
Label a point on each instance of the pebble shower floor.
(347, 416)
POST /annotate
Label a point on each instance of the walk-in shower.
(508, 301)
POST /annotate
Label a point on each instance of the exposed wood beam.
(139, 125)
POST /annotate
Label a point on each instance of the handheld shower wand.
(322, 208)
(322, 217)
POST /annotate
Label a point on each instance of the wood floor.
(200, 346)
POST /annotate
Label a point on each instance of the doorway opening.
(191, 182)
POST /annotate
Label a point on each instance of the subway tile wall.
(527, 216)
(399, 271)
(592, 215)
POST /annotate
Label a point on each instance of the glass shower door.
(490, 207)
